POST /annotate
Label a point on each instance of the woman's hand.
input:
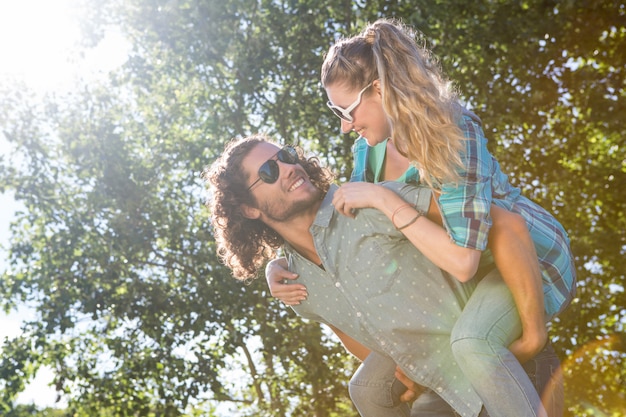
(356, 195)
(530, 344)
(290, 294)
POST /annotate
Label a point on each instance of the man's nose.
(285, 169)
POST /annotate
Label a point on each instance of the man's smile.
(296, 184)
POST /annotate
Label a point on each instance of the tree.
(32, 411)
(114, 249)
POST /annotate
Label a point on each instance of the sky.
(37, 46)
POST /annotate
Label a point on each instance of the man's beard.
(278, 211)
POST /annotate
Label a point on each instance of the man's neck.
(296, 232)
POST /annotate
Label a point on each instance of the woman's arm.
(428, 236)
(510, 243)
(290, 294)
(516, 258)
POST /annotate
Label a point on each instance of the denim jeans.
(480, 338)
(488, 324)
(376, 392)
(545, 374)
(374, 389)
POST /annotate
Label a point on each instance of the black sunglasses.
(268, 172)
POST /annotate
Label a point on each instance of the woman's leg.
(543, 371)
(488, 324)
(374, 389)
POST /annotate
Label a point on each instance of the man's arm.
(413, 389)
(351, 345)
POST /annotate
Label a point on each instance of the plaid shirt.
(465, 209)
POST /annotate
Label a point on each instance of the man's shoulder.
(403, 188)
(418, 195)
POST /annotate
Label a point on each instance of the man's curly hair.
(244, 244)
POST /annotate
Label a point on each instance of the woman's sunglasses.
(268, 172)
(346, 114)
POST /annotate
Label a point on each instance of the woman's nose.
(346, 127)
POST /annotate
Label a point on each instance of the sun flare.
(39, 44)
(36, 39)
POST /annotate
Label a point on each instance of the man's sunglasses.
(268, 172)
(346, 114)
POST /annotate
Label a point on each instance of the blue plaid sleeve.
(465, 207)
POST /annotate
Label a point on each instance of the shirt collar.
(326, 210)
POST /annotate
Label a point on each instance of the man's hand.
(413, 388)
(290, 294)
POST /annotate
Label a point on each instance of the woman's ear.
(250, 212)
(376, 86)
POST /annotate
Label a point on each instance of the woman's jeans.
(376, 392)
(488, 324)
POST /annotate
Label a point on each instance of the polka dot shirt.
(376, 287)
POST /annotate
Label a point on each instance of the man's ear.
(250, 212)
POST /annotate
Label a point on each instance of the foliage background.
(114, 251)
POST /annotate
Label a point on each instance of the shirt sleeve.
(465, 208)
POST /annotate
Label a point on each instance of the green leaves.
(113, 247)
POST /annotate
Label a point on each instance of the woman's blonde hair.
(419, 101)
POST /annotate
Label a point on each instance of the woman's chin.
(372, 142)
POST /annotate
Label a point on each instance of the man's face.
(292, 193)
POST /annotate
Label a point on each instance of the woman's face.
(368, 117)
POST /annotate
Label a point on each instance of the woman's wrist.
(418, 214)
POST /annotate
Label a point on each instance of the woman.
(382, 85)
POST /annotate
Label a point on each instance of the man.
(365, 279)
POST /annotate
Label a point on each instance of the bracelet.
(402, 206)
(413, 220)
